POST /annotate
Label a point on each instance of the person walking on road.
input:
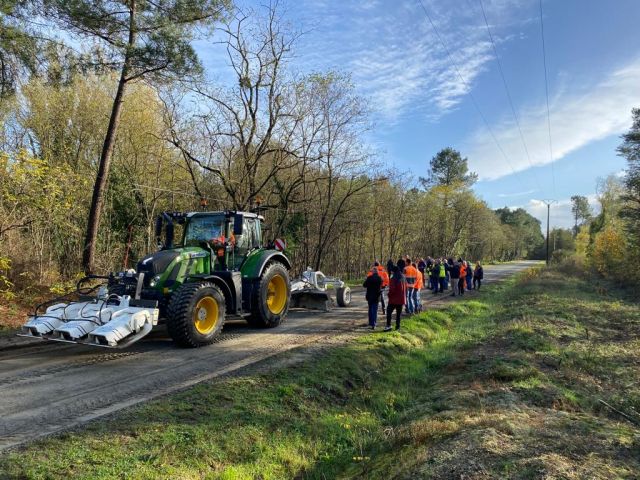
(390, 266)
(411, 274)
(454, 273)
(434, 271)
(478, 275)
(373, 284)
(416, 293)
(385, 281)
(442, 276)
(463, 276)
(469, 277)
(397, 297)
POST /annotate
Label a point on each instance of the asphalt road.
(46, 387)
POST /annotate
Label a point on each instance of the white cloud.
(578, 117)
(560, 213)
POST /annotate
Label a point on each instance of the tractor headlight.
(154, 281)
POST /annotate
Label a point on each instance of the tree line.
(97, 140)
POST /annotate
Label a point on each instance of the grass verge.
(507, 385)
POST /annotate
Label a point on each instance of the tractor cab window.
(249, 240)
(205, 228)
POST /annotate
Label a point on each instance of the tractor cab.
(228, 237)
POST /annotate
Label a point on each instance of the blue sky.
(420, 104)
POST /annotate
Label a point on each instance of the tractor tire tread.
(257, 318)
(178, 323)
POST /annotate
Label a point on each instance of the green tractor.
(219, 268)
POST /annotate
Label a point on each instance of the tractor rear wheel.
(196, 314)
(270, 301)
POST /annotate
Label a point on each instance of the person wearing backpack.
(478, 275)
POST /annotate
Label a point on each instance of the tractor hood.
(169, 268)
(157, 263)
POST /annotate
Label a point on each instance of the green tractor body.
(222, 255)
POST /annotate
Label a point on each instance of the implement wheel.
(196, 314)
(271, 299)
(343, 296)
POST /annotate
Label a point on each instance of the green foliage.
(19, 49)
(162, 31)
(630, 149)
(580, 209)
(448, 168)
(526, 233)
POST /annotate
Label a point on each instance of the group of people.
(406, 278)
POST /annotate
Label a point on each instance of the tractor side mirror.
(158, 230)
(238, 224)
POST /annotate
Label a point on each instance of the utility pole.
(548, 203)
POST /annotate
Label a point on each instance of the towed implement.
(219, 269)
(311, 290)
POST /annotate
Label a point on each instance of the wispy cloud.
(578, 117)
(517, 194)
(394, 55)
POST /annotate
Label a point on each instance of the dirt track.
(46, 387)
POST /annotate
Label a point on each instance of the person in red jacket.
(397, 297)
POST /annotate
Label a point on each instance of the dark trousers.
(461, 286)
(373, 314)
(477, 282)
(469, 280)
(398, 310)
(443, 283)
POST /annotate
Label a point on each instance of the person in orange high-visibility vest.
(463, 274)
(416, 294)
(411, 274)
(385, 281)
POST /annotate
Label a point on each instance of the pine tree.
(144, 40)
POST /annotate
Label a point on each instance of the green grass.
(504, 385)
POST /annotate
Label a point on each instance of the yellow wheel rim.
(276, 294)
(205, 315)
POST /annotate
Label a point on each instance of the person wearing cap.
(373, 284)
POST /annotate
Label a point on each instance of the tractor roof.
(230, 212)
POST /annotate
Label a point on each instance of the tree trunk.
(97, 200)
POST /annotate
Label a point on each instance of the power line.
(466, 85)
(506, 88)
(546, 91)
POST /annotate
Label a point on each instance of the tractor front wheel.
(196, 314)
(270, 301)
